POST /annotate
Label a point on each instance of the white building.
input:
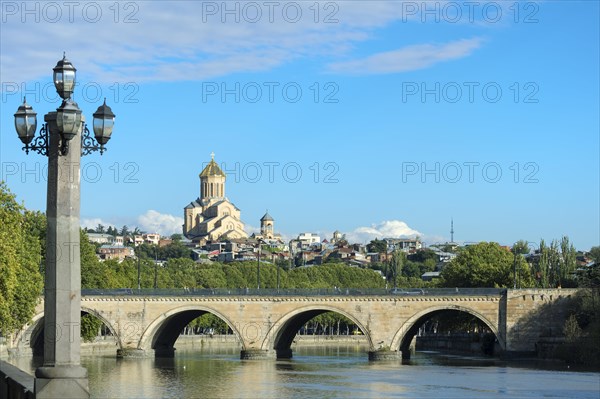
(308, 239)
(99, 238)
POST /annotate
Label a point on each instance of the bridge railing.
(397, 292)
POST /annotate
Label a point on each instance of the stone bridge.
(265, 324)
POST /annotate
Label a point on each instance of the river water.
(333, 371)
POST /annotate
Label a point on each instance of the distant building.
(163, 242)
(99, 238)
(267, 229)
(408, 245)
(308, 239)
(152, 239)
(212, 216)
(139, 239)
(428, 276)
(337, 237)
(266, 226)
(118, 252)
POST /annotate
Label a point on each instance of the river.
(333, 371)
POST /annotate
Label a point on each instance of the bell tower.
(266, 226)
(212, 181)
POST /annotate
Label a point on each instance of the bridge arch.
(409, 329)
(162, 333)
(32, 335)
(26, 337)
(281, 334)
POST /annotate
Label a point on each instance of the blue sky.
(376, 118)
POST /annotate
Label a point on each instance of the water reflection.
(326, 371)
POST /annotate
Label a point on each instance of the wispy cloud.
(406, 59)
(181, 41)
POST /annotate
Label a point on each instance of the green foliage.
(486, 265)
(451, 322)
(556, 265)
(590, 277)
(20, 258)
(209, 322)
(379, 246)
(595, 254)
(422, 256)
(330, 323)
(174, 250)
(185, 273)
(571, 329)
(90, 325)
(582, 330)
(520, 248)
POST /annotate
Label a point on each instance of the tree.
(543, 266)
(112, 231)
(20, 256)
(100, 228)
(423, 255)
(378, 246)
(397, 264)
(176, 237)
(485, 264)
(568, 263)
(520, 248)
(125, 231)
(595, 254)
(90, 325)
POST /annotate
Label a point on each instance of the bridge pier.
(256, 354)
(164, 352)
(376, 356)
(284, 353)
(131, 353)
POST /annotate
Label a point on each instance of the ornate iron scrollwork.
(88, 143)
(40, 142)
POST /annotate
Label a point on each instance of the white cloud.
(406, 59)
(251, 229)
(385, 229)
(156, 222)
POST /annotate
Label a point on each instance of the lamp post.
(155, 267)
(514, 268)
(139, 271)
(258, 265)
(63, 138)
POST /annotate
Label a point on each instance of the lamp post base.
(65, 382)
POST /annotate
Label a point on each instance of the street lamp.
(61, 373)
(278, 272)
(514, 268)
(258, 265)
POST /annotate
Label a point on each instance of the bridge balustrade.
(294, 292)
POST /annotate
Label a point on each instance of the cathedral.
(211, 216)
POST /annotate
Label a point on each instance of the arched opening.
(449, 330)
(320, 324)
(96, 334)
(189, 325)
